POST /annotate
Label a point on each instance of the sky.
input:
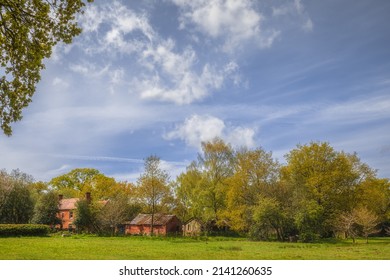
(159, 77)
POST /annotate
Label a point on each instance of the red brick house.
(162, 225)
(67, 210)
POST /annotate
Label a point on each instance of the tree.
(323, 183)
(367, 221)
(255, 174)
(116, 212)
(46, 209)
(87, 216)
(16, 205)
(346, 224)
(374, 194)
(188, 204)
(28, 32)
(267, 219)
(5, 188)
(216, 166)
(153, 186)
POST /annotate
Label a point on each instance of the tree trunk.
(152, 225)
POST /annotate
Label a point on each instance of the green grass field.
(147, 248)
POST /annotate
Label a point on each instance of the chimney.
(60, 197)
(88, 197)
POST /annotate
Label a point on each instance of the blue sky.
(159, 77)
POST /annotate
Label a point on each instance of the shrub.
(23, 230)
(308, 237)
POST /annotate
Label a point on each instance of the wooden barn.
(162, 224)
(193, 227)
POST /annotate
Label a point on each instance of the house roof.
(146, 219)
(68, 203)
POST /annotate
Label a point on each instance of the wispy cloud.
(173, 168)
(90, 70)
(358, 111)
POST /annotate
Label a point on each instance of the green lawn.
(146, 248)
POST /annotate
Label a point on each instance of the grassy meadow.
(79, 247)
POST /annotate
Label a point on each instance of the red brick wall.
(173, 226)
(66, 219)
(145, 230)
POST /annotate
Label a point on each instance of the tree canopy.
(28, 32)
(16, 203)
(79, 181)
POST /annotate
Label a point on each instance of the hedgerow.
(24, 230)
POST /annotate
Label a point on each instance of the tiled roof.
(68, 203)
(146, 219)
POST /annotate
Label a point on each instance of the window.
(70, 215)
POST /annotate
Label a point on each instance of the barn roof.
(146, 219)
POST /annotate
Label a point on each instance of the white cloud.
(280, 11)
(237, 22)
(91, 19)
(118, 22)
(164, 70)
(298, 6)
(89, 69)
(60, 82)
(176, 77)
(241, 136)
(308, 25)
(184, 88)
(198, 129)
(297, 11)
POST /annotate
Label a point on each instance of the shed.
(193, 227)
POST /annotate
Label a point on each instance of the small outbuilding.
(193, 227)
(163, 224)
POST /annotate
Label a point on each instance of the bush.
(308, 237)
(24, 230)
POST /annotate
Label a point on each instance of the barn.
(163, 224)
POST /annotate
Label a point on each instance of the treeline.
(318, 193)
